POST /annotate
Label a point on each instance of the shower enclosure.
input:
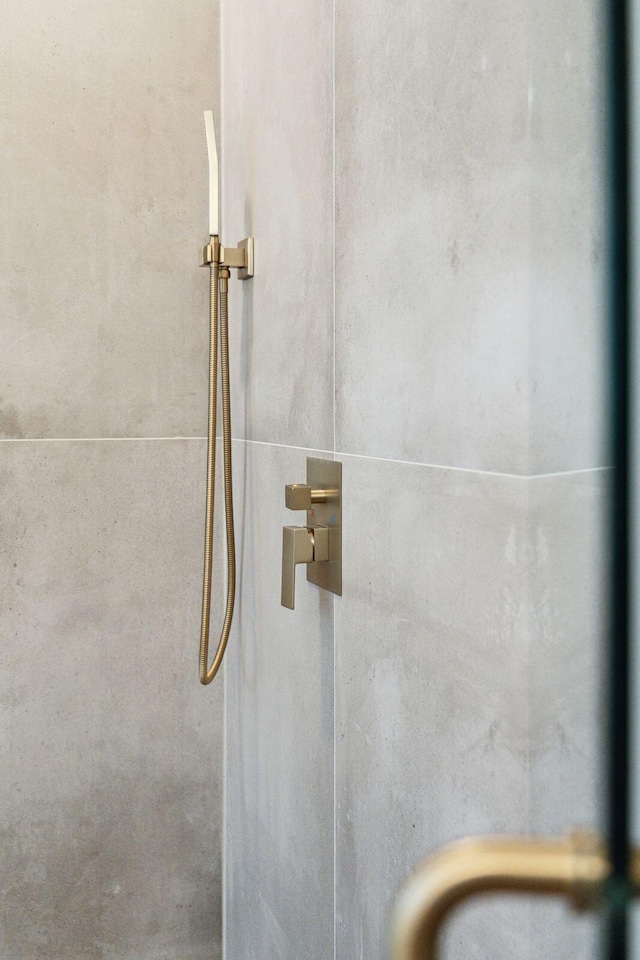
(429, 189)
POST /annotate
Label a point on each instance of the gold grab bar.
(576, 867)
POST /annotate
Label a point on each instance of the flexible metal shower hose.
(218, 279)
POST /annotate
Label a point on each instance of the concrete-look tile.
(432, 726)
(279, 733)
(569, 315)
(104, 327)
(277, 168)
(432, 232)
(111, 799)
(570, 567)
(468, 215)
(568, 516)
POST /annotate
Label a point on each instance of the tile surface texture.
(466, 678)
(111, 767)
(569, 557)
(432, 724)
(277, 176)
(468, 333)
(463, 661)
(467, 235)
(569, 396)
(104, 167)
(279, 741)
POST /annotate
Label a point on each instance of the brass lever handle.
(300, 545)
(300, 496)
(575, 867)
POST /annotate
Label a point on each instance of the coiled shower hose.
(218, 281)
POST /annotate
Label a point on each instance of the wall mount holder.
(240, 257)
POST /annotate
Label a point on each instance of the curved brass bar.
(575, 867)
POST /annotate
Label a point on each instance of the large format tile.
(432, 232)
(570, 558)
(277, 168)
(104, 310)
(568, 257)
(111, 781)
(279, 740)
(570, 570)
(468, 248)
(468, 700)
(432, 724)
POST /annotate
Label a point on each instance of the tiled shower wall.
(424, 186)
(110, 779)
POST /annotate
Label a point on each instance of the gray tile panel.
(279, 709)
(111, 768)
(278, 186)
(103, 169)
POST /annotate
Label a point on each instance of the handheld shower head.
(212, 151)
(219, 259)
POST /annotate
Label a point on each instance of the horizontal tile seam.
(89, 439)
(331, 453)
(430, 466)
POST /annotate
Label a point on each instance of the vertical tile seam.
(334, 632)
(223, 825)
(333, 204)
(529, 600)
(530, 572)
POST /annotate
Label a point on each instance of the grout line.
(88, 439)
(567, 473)
(488, 473)
(330, 453)
(430, 466)
(333, 174)
(285, 446)
(224, 916)
(335, 440)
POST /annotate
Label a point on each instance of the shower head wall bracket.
(240, 257)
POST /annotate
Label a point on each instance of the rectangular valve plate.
(327, 475)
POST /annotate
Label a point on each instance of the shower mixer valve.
(319, 543)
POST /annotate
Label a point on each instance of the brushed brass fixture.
(300, 545)
(240, 257)
(300, 496)
(214, 177)
(219, 259)
(321, 497)
(575, 867)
